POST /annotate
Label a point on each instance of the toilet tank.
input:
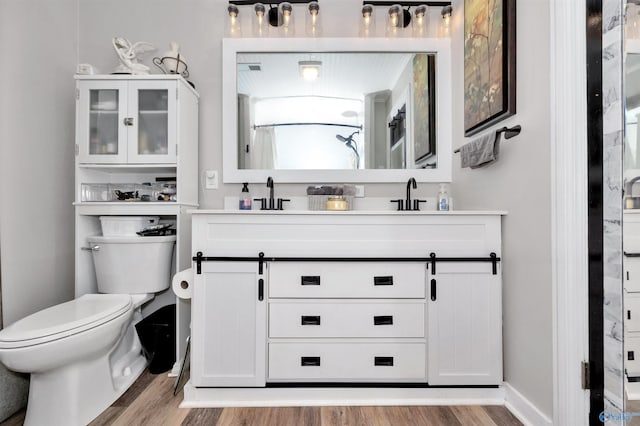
(132, 265)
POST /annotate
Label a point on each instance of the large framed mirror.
(337, 110)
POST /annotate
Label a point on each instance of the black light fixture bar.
(405, 3)
(267, 2)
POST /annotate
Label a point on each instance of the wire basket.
(319, 202)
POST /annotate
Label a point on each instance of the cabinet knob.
(128, 121)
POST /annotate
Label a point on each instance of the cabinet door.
(229, 326)
(464, 325)
(152, 113)
(101, 133)
(631, 262)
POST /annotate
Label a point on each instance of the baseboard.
(288, 397)
(523, 409)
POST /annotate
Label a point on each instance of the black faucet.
(271, 200)
(407, 202)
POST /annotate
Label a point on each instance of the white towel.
(481, 151)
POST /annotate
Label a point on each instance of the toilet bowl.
(83, 354)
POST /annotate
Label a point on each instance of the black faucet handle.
(416, 204)
(400, 204)
(263, 203)
(280, 201)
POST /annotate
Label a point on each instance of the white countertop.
(367, 206)
(352, 212)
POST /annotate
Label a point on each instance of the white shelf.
(131, 168)
(130, 208)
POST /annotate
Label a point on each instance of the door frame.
(569, 191)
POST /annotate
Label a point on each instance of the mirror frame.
(440, 46)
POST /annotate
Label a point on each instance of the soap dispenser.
(245, 197)
(443, 198)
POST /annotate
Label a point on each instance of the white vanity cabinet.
(313, 297)
(631, 295)
(129, 119)
(229, 337)
(464, 307)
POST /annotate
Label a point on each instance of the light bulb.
(313, 19)
(287, 18)
(259, 22)
(367, 26)
(234, 22)
(446, 21)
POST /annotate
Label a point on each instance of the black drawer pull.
(310, 280)
(630, 356)
(433, 290)
(261, 289)
(388, 280)
(310, 319)
(383, 320)
(383, 361)
(310, 361)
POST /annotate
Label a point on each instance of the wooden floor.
(150, 401)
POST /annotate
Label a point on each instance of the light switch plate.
(360, 191)
(211, 179)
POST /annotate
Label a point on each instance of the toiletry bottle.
(245, 197)
(443, 198)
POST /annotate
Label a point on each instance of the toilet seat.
(59, 321)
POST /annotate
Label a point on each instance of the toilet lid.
(87, 311)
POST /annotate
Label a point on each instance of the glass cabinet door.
(102, 136)
(153, 131)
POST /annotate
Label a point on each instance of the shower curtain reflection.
(263, 152)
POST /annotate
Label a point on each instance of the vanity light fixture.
(271, 13)
(399, 16)
(368, 22)
(313, 19)
(310, 70)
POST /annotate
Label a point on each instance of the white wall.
(38, 43)
(520, 183)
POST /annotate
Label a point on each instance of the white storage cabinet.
(127, 121)
(131, 130)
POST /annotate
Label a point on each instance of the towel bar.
(509, 132)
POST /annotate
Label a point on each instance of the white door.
(152, 114)
(101, 133)
(464, 325)
(229, 325)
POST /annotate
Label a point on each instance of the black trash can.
(157, 333)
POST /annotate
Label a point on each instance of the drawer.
(631, 266)
(632, 355)
(344, 362)
(347, 279)
(632, 312)
(346, 319)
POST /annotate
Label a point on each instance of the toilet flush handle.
(94, 248)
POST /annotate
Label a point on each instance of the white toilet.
(84, 354)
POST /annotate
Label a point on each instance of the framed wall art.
(489, 63)
(424, 120)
